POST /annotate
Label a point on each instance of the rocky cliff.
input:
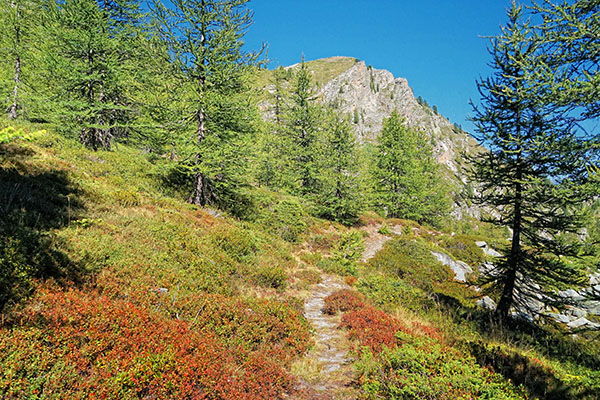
(369, 95)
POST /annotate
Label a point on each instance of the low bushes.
(423, 368)
(390, 293)
(343, 300)
(397, 360)
(81, 345)
(463, 248)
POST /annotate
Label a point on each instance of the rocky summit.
(369, 95)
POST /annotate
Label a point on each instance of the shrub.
(81, 345)
(384, 229)
(389, 293)
(423, 368)
(238, 243)
(343, 300)
(272, 276)
(345, 255)
(287, 219)
(11, 133)
(126, 198)
(410, 258)
(463, 248)
(372, 328)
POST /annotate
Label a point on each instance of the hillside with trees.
(178, 221)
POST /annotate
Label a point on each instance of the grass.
(106, 268)
(149, 259)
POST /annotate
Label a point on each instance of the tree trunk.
(514, 258)
(200, 193)
(12, 111)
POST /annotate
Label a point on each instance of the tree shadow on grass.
(33, 203)
(538, 379)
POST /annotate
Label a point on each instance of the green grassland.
(115, 287)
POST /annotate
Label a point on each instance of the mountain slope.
(370, 95)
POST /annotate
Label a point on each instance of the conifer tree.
(211, 70)
(571, 45)
(302, 132)
(18, 34)
(88, 63)
(407, 178)
(340, 193)
(275, 149)
(532, 175)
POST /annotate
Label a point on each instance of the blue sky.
(436, 44)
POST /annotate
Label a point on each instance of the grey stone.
(583, 323)
(487, 303)
(560, 318)
(461, 269)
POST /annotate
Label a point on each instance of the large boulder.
(461, 269)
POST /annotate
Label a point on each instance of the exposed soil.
(375, 241)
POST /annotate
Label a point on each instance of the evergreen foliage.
(302, 131)
(533, 174)
(407, 176)
(340, 195)
(87, 62)
(19, 30)
(211, 72)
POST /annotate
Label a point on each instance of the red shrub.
(343, 300)
(372, 327)
(81, 345)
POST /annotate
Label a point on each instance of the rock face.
(372, 94)
(369, 95)
(461, 270)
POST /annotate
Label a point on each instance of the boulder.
(583, 323)
(461, 269)
(563, 319)
(487, 250)
(487, 303)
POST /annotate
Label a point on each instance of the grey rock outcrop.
(371, 95)
(376, 93)
(487, 250)
(583, 323)
(487, 303)
(460, 269)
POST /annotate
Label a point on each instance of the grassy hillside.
(115, 287)
(322, 71)
(132, 292)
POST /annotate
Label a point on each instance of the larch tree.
(407, 177)
(88, 63)
(340, 193)
(570, 35)
(302, 131)
(18, 30)
(211, 68)
(274, 149)
(532, 176)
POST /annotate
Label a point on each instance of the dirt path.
(327, 369)
(375, 241)
(326, 372)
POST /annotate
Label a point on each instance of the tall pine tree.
(302, 131)
(205, 39)
(407, 177)
(88, 63)
(19, 36)
(340, 195)
(532, 175)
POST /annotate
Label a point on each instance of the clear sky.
(437, 45)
